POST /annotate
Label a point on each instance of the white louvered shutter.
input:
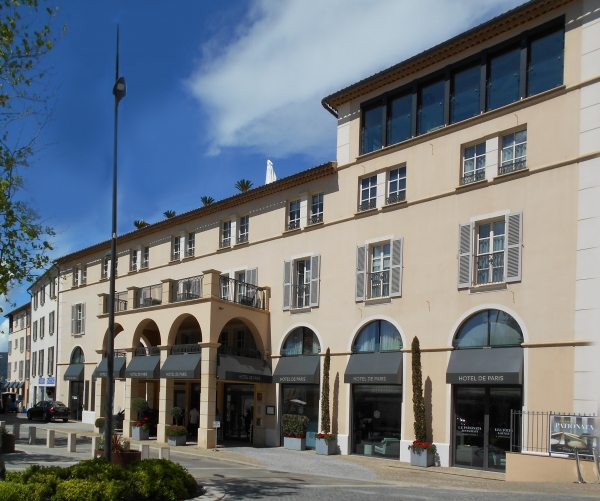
(73, 319)
(82, 319)
(361, 271)
(287, 284)
(396, 268)
(465, 254)
(315, 273)
(252, 276)
(513, 249)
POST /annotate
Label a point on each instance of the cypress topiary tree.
(418, 400)
(325, 417)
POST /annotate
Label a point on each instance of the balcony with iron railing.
(379, 284)
(367, 205)
(187, 289)
(316, 218)
(241, 352)
(301, 295)
(490, 268)
(242, 293)
(473, 177)
(225, 242)
(148, 296)
(513, 166)
(293, 224)
(242, 238)
(182, 349)
(120, 302)
(147, 351)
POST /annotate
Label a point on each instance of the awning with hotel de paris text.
(181, 366)
(118, 368)
(374, 368)
(302, 369)
(499, 366)
(244, 369)
(144, 367)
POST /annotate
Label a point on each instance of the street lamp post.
(119, 91)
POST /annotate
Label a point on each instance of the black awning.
(21, 384)
(486, 366)
(302, 369)
(248, 370)
(144, 367)
(74, 372)
(118, 368)
(183, 366)
(374, 368)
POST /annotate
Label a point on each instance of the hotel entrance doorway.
(239, 412)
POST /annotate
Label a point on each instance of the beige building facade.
(463, 209)
(16, 379)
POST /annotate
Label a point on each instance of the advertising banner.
(568, 433)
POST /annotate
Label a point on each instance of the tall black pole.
(119, 91)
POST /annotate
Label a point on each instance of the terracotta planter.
(126, 458)
(8, 443)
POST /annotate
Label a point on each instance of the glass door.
(239, 412)
(482, 425)
(76, 400)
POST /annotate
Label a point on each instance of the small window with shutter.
(301, 283)
(379, 270)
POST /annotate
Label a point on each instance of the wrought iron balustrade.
(242, 293)
(316, 218)
(144, 264)
(473, 177)
(120, 302)
(294, 224)
(301, 295)
(149, 296)
(243, 237)
(147, 351)
(379, 284)
(190, 252)
(400, 196)
(240, 352)
(490, 268)
(369, 204)
(226, 242)
(187, 289)
(180, 349)
(508, 167)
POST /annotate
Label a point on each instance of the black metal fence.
(242, 293)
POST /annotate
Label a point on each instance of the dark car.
(47, 410)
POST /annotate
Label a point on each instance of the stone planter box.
(180, 440)
(138, 433)
(326, 447)
(294, 444)
(8, 443)
(422, 458)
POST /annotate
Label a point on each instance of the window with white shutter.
(78, 319)
(315, 270)
(287, 284)
(361, 271)
(301, 282)
(514, 231)
(465, 254)
(379, 270)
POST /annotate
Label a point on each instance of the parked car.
(48, 410)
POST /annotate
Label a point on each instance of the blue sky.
(214, 89)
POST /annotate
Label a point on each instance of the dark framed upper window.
(77, 356)
(546, 62)
(488, 328)
(379, 335)
(399, 124)
(301, 341)
(503, 79)
(372, 128)
(431, 106)
(465, 93)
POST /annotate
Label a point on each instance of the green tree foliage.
(243, 185)
(325, 416)
(25, 104)
(418, 400)
(206, 200)
(169, 214)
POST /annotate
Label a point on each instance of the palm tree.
(207, 200)
(243, 185)
(169, 214)
(140, 223)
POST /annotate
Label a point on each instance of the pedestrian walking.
(193, 422)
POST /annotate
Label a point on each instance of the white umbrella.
(270, 173)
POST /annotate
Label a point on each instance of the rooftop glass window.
(503, 79)
(431, 107)
(400, 119)
(466, 90)
(545, 69)
(372, 132)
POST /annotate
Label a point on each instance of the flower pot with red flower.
(294, 431)
(140, 431)
(422, 453)
(326, 444)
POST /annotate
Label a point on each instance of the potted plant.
(422, 452)
(121, 453)
(99, 423)
(8, 441)
(139, 405)
(176, 435)
(140, 431)
(294, 431)
(326, 442)
(177, 414)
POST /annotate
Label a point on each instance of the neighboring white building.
(19, 321)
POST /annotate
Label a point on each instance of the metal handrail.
(513, 166)
(187, 289)
(180, 349)
(242, 293)
(301, 295)
(396, 197)
(380, 284)
(316, 218)
(473, 177)
(243, 237)
(240, 352)
(147, 351)
(148, 296)
(294, 224)
(371, 204)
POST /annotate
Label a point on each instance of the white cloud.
(263, 90)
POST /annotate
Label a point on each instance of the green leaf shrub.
(139, 405)
(175, 431)
(294, 425)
